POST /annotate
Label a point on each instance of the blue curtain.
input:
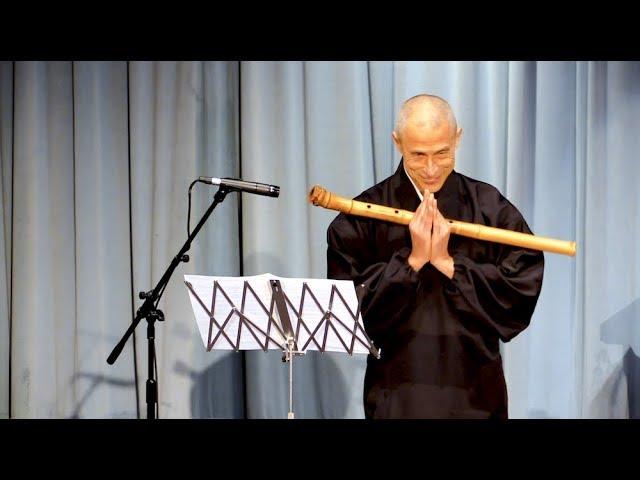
(96, 158)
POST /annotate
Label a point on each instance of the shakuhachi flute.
(324, 198)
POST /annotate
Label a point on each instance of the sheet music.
(234, 288)
(312, 314)
(334, 332)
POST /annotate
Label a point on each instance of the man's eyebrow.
(421, 150)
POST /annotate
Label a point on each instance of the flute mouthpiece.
(316, 194)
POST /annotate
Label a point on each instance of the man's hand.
(420, 228)
(440, 257)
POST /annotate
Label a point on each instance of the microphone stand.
(150, 311)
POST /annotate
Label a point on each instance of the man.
(436, 306)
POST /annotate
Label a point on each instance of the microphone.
(244, 186)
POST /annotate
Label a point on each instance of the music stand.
(290, 314)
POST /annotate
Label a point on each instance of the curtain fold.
(6, 178)
(102, 247)
(184, 118)
(43, 323)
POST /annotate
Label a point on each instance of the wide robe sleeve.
(389, 287)
(501, 293)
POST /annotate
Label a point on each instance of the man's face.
(429, 153)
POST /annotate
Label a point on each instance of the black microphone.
(244, 186)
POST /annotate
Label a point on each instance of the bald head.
(425, 111)
(427, 137)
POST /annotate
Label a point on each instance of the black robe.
(439, 337)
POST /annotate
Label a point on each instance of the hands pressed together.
(430, 237)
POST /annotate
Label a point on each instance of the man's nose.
(431, 167)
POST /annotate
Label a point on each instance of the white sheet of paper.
(234, 288)
(312, 314)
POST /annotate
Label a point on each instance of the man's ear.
(458, 136)
(396, 140)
